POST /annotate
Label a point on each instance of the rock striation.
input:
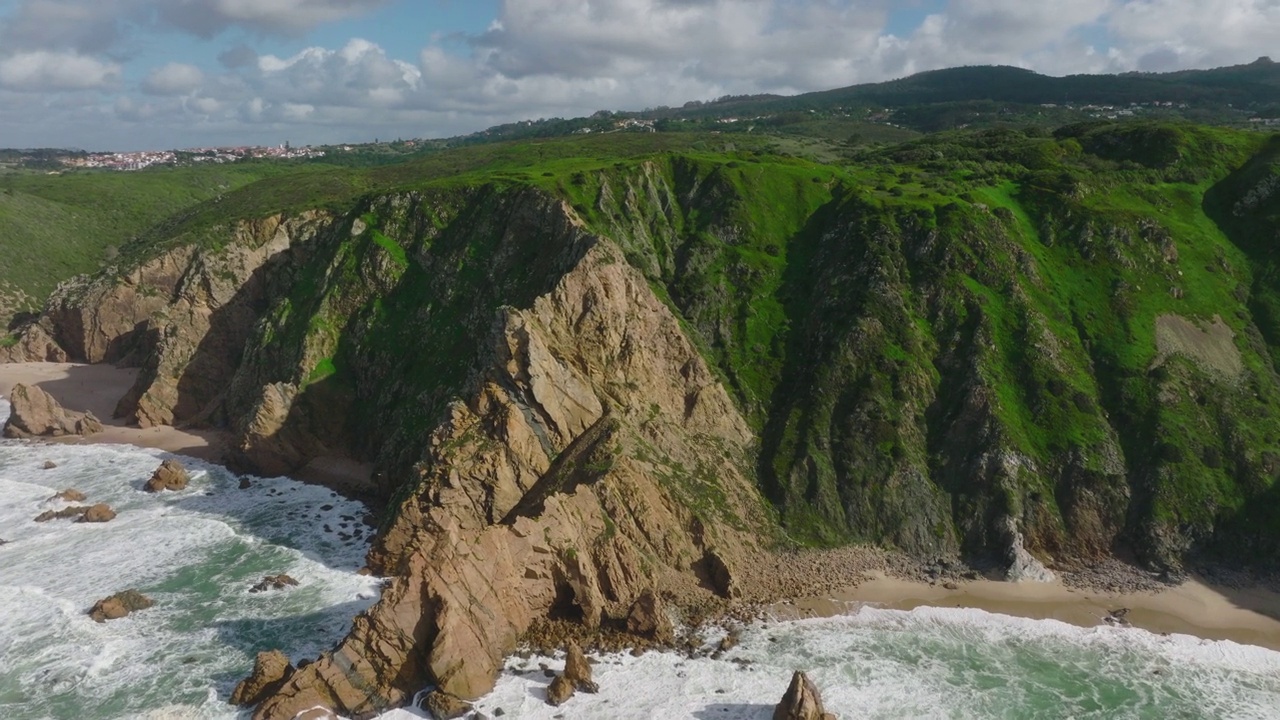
(567, 484)
(34, 413)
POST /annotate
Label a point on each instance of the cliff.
(594, 377)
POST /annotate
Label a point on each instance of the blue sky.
(135, 74)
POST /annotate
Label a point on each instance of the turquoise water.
(926, 663)
(197, 552)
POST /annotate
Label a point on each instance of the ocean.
(197, 552)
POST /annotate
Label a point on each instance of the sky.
(158, 74)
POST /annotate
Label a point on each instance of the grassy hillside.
(1074, 332)
(56, 226)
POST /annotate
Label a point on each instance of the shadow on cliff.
(298, 636)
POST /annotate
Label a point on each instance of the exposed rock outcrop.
(171, 475)
(99, 513)
(34, 344)
(273, 582)
(649, 619)
(270, 670)
(119, 605)
(444, 706)
(63, 514)
(34, 413)
(802, 701)
(1023, 566)
(566, 485)
(70, 495)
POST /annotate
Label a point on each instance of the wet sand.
(1248, 616)
(97, 388)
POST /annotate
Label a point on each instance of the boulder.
(49, 465)
(802, 701)
(34, 413)
(70, 495)
(559, 691)
(576, 676)
(270, 670)
(444, 706)
(99, 513)
(171, 475)
(647, 618)
(577, 670)
(273, 582)
(119, 605)
(63, 514)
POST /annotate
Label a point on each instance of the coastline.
(1245, 615)
(97, 389)
(823, 583)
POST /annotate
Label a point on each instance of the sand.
(1248, 616)
(97, 388)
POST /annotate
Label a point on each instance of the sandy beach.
(1249, 616)
(97, 388)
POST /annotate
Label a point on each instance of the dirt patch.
(1211, 346)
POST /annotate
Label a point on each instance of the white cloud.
(173, 79)
(1171, 35)
(544, 58)
(42, 71)
(95, 26)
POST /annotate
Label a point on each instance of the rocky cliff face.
(595, 456)
(574, 389)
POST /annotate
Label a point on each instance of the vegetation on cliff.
(1071, 330)
(587, 366)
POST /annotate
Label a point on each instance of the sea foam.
(195, 552)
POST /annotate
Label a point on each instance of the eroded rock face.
(119, 605)
(171, 475)
(649, 619)
(35, 413)
(566, 484)
(270, 670)
(34, 345)
(802, 701)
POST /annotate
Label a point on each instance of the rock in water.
(34, 413)
(648, 619)
(70, 495)
(802, 701)
(559, 691)
(73, 511)
(49, 465)
(171, 475)
(99, 513)
(119, 605)
(444, 706)
(577, 670)
(273, 582)
(270, 670)
(576, 676)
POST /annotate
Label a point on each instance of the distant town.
(149, 158)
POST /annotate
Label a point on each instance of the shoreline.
(97, 388)
(1248, 615)
(821, 583)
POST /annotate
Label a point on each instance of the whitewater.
(198, 551)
